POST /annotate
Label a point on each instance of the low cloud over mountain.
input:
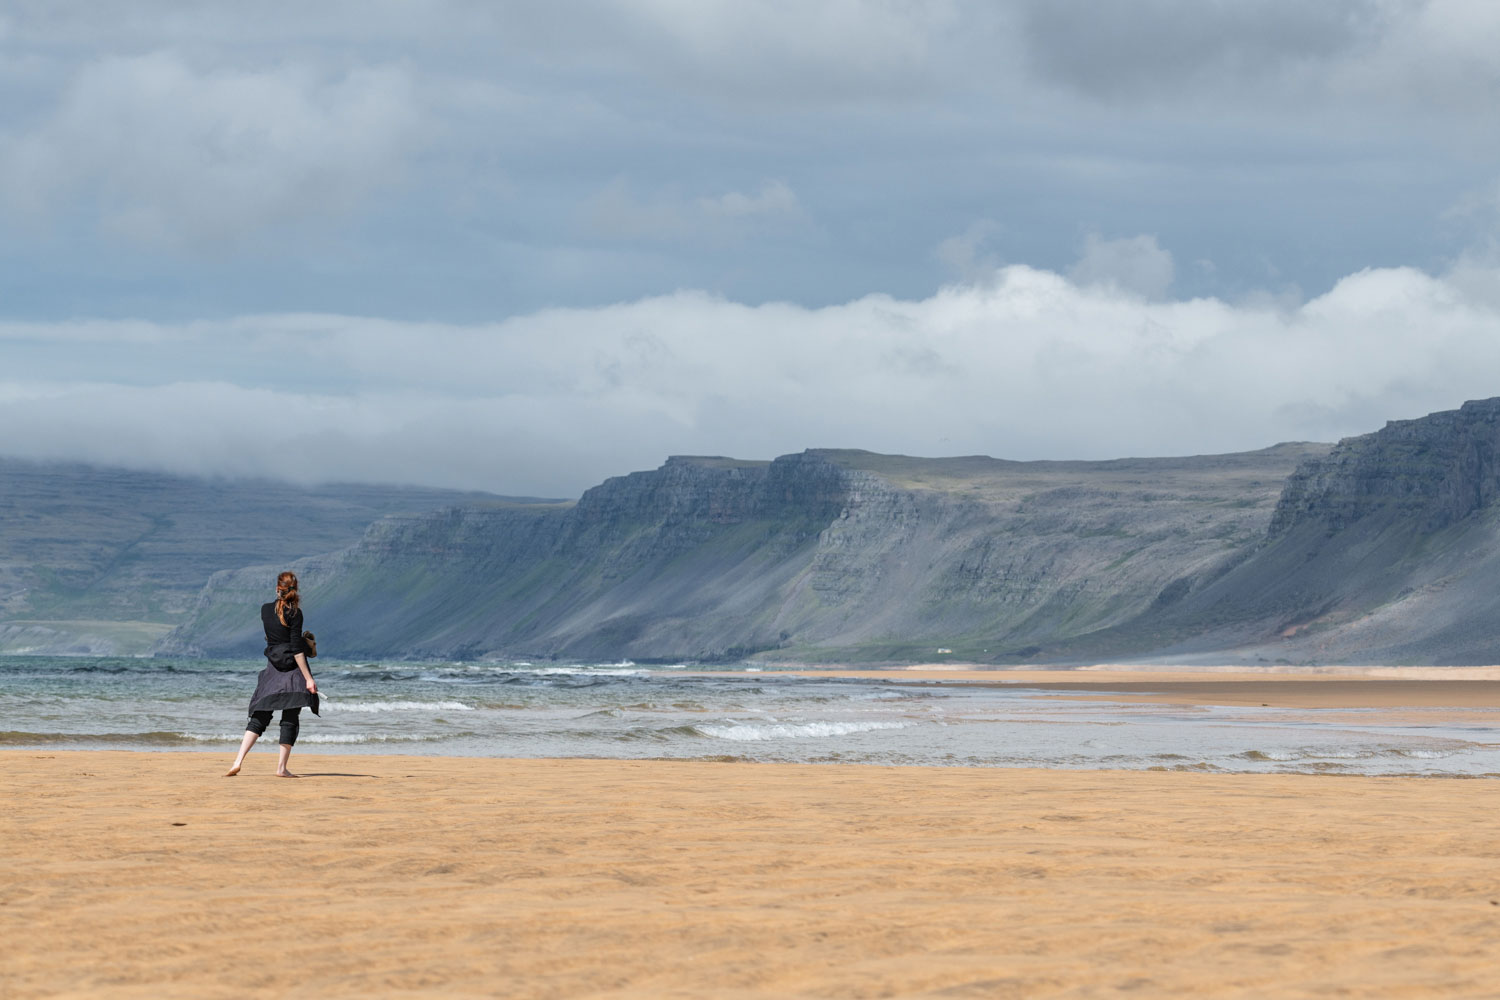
(1024, 364)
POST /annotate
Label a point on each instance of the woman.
(286, 682)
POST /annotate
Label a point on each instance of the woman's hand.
(312, 685)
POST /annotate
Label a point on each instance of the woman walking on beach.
(286, 683)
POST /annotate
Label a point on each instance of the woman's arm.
(294, 636)
(312, 685)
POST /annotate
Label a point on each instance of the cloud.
(963, 255)
(1155, 47)
(821, 54)
(1135, 264)
(1283, 55)
(796, 52)
(1432, 56)
(1027, 364)
(773, 198)
(455, 159)
(617, 213)
(1478, 208)
(1425, 56)
(802, 51)
(174, 156)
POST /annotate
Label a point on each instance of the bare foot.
(232, 771)
(287, 774)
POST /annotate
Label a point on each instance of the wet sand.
(148, 875)
(1331, 687)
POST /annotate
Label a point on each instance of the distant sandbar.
(1281, 687)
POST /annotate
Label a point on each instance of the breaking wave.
(1315, 754)
(341, 707)
(749, 732)
(158, 738)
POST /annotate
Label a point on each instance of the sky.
(522, 247)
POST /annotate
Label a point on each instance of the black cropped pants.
(290, 724)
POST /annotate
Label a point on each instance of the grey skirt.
(279, 688)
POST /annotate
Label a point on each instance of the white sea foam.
(1318, 754)
(341, 707)
(605, 709)
(357, 738)
(316, 738)
(747, 732)
(614, 671)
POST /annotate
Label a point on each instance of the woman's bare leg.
(281, 771)
(239, 760)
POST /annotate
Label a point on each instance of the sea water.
(741, 712)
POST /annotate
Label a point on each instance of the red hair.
(286, 595)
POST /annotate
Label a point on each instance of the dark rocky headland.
(1380, 549)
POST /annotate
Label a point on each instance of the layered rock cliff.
(1386, 550)
(101, 561)
(1382, 549)
(821, 555)
(1428, 473)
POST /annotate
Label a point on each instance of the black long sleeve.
(278, 634)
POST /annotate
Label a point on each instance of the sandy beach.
(149, 875)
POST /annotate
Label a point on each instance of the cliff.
(821, 555)
(1428, 473)
(1382, 549)
(104, 561)
(1386, 550)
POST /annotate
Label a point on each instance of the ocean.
(740, 712)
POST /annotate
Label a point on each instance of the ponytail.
(287, 599)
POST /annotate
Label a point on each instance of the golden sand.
(148, 875)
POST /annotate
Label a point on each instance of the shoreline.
(146, 874)
(1357, 720)
(1272, 687)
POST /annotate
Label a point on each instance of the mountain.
(102, 560)
(1386, 550)
(822, 555)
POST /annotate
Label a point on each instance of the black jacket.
(281, 685)
(277, 634)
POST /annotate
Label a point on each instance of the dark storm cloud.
(468, 159)
(1174, 48)
(1334, 61)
